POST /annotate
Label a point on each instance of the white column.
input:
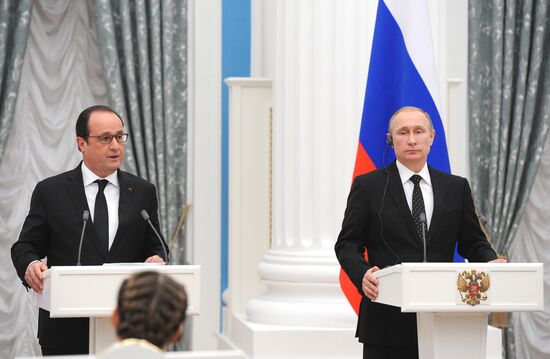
(321, 49)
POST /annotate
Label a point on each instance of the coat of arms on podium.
(472, 286)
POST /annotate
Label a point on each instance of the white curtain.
(62, 74)
(532, 244)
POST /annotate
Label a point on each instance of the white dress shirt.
(112, 195)
(425, 187)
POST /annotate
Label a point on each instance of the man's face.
(412, 137)
(102, 159)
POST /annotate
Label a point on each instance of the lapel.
(75, 188)
(397, 193)
(438, 187)
(125, 206)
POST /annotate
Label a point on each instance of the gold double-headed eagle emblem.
(472, 286)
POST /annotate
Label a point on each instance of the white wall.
(450, 35)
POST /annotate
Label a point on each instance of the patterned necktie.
(101, 215)
(417, 204)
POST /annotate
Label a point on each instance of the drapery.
(509, 98)
(143, 46)
(61, 74)
(14, 29)
(532, 244)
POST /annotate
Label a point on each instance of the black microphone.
(422, 218)
(85, 217)
(145, 216)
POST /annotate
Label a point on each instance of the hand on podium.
(370, 283)
(154, 259)
(33, 276)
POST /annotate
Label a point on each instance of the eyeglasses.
(107, 139)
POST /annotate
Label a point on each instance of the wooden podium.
(91, 291)
(453, 301)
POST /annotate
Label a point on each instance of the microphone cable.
(398, 259)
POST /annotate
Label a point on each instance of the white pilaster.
(249, 187)
(204, 161)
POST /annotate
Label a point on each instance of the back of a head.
(150, 306)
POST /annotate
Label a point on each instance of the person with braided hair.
(150, 312)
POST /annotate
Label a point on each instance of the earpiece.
(389, 140)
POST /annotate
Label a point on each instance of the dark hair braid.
(151, 306)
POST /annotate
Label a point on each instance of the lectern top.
(462, 287)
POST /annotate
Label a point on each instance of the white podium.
(453, 301)
(91, 291)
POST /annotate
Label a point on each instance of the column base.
(263, 341)
(302, 290)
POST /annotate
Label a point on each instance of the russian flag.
(401, 73)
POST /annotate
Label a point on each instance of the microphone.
(85, 217)
(422, 218)
(145, 217)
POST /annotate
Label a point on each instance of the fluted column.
(321, 62)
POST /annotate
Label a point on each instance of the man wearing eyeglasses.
(115, 232)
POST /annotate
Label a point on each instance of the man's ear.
(81, 143)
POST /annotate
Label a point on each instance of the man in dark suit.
(383, 216)
(116, 231)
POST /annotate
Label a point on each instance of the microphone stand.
(146, 218)
(423, 223)
(85, 217)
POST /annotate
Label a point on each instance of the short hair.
(84, 118)
(407, 108)
(150, 306)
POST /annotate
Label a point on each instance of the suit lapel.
(398, 196)
(75, 188)
(438, 187)
(125, 207)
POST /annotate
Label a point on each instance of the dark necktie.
(101, 215)
(417, 204)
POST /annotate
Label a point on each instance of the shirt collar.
(406, 173)
(88, 177)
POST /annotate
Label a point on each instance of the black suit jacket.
(52, 229)
(378, 218)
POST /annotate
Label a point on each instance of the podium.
(453, 301)
(91, 291)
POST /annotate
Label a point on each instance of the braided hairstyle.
(150, 306)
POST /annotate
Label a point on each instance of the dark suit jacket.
(52, 229)
(378, 218)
